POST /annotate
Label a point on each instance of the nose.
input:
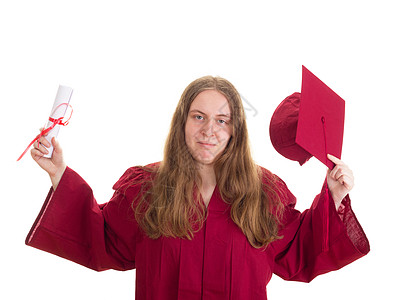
(208, 129)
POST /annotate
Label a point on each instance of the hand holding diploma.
(47, 151)
(54, 166)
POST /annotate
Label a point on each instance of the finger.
(36, 154)
(346, 181)
(39, 147)
(41, 129)
(44, 142)
(335, 160)
(335, 173)
(342, 173)
(56, 145)
(341, 170)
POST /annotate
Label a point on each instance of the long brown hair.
(171, 206)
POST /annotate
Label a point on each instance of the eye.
(198, 117)
(222, 122)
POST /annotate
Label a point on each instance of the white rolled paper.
(64, 94)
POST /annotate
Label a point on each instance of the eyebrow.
(219, 115)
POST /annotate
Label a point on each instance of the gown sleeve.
(73, 226)
(319, 240)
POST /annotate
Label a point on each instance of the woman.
(206, 222)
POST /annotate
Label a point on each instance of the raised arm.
(72, 225)
(324, 238)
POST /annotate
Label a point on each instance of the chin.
(205, 160)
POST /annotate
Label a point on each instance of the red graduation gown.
(219, 263)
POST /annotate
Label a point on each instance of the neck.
(207, 175)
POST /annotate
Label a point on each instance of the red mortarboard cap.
(283, 129)
(321, 119)
(319, 125)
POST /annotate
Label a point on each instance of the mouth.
(206, 145)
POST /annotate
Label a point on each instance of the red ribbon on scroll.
(55, 122)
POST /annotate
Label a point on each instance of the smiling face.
(208, 127)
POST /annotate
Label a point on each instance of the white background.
(129, 61)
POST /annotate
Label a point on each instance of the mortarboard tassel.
(325, 214)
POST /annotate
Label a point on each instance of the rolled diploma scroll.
(64, 94)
